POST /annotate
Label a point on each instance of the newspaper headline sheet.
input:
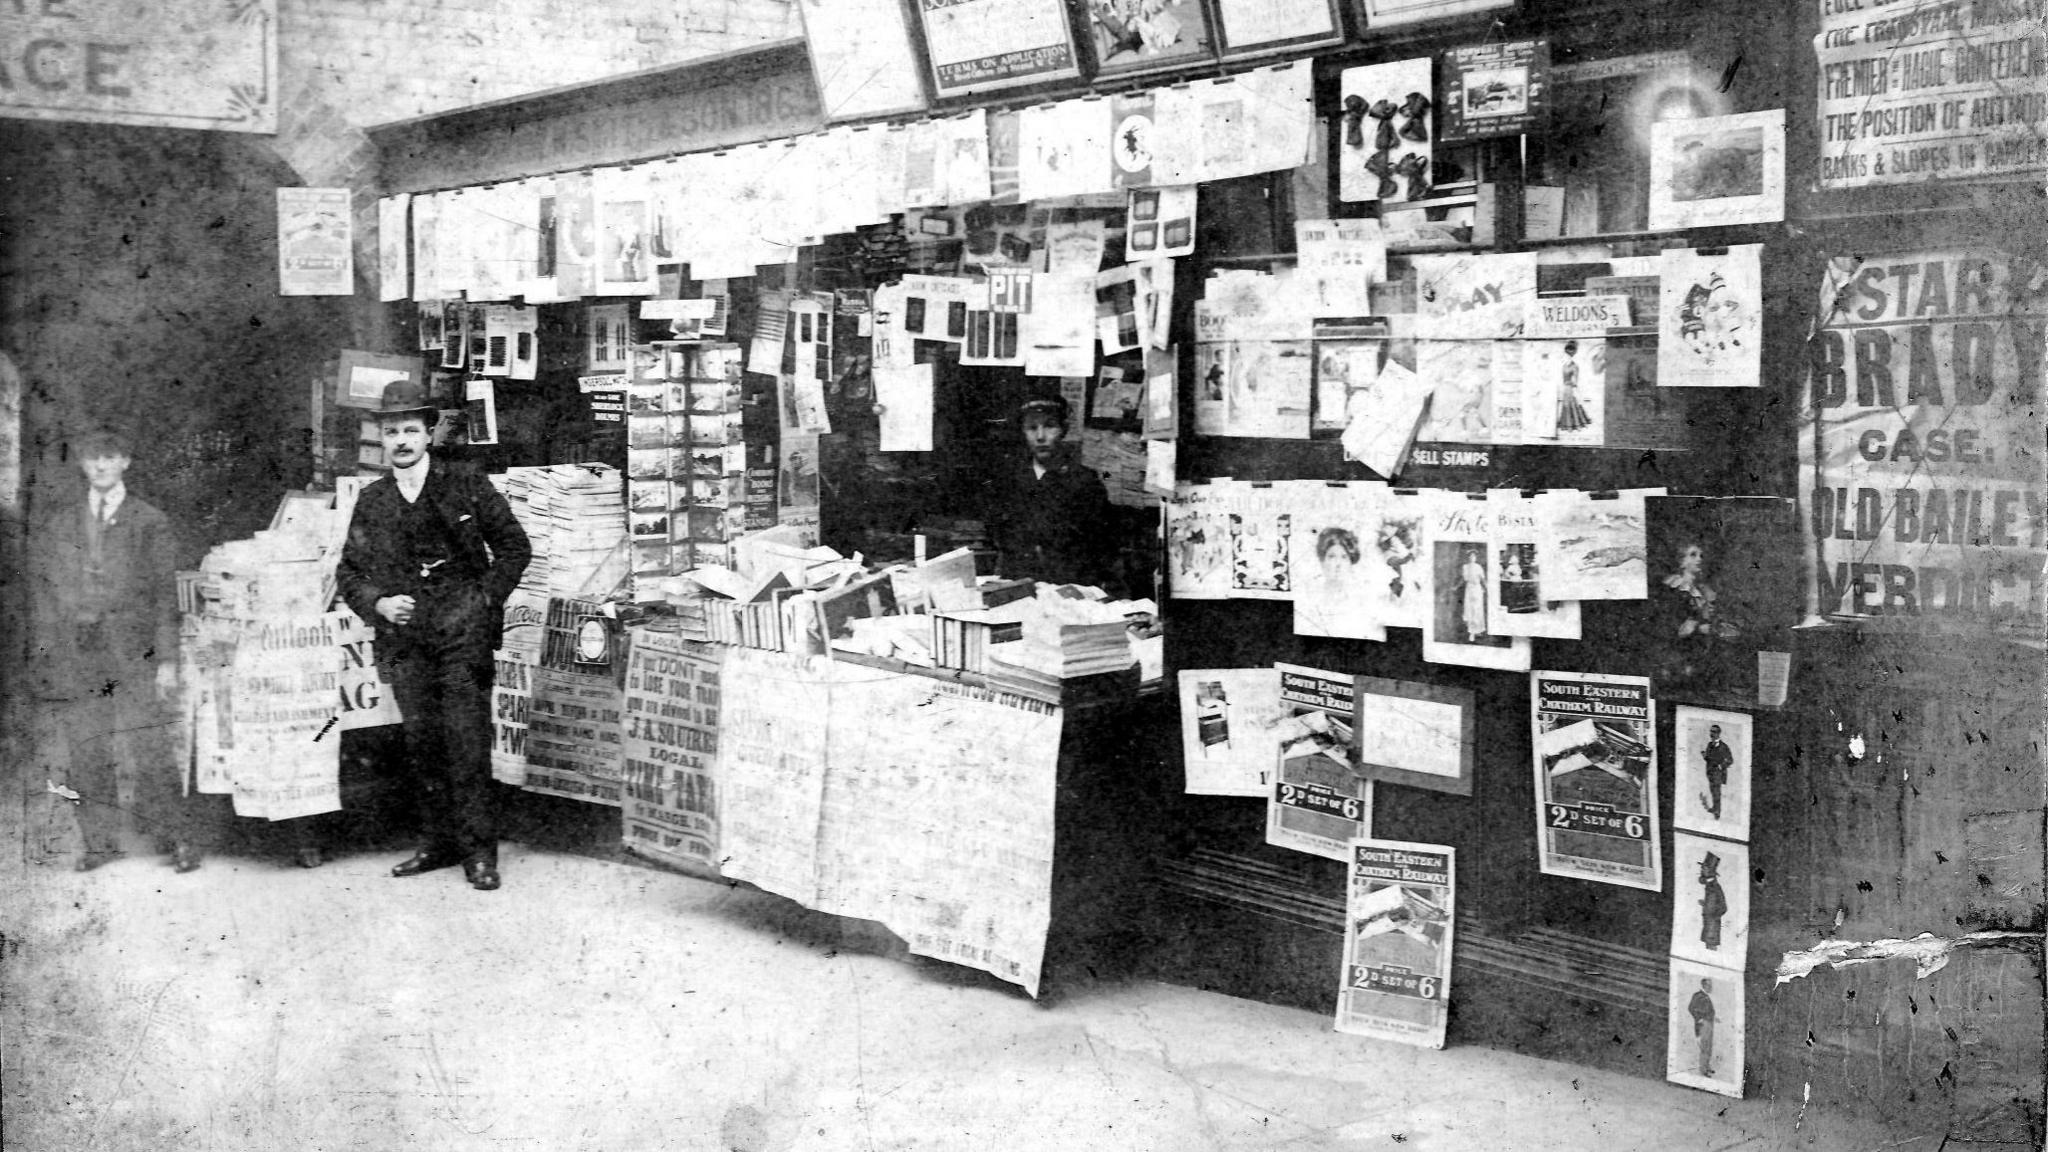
(669, 809)
(937, 819)
(1398, 923)
(573, 736)
(1595, 742)
(771, 760)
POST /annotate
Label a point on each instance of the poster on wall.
(983, 45)
(1384, 13)
(1129, 38)
(1416, 734)
(1937, 98)
(315, 245)
(1710, 310)
(1320, 803)
(393, 249)
(1399, 920)
(1229, 723)
(1718, 170)
(1705, 1041)
(1716, 627)
(1497, 89)
(1711, 776)
(1385, 149)
(669, 751)
(1710, 900)
(1595, 744)
(862, 58)
(1459, 626)
(1922, 443)
(1332, 528)
(1520, 606)
(1249, 26)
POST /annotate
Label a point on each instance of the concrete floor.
(600, 1006)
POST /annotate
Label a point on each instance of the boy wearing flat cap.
(1048, 515)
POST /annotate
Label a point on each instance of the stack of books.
(1068, 632)
(963, 639)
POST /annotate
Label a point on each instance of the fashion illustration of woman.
(1571, 414)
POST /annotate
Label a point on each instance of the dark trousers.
(113, 722)
(441, 674)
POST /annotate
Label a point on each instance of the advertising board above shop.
(738, 97)
(136, 62)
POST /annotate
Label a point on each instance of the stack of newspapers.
(575, 517)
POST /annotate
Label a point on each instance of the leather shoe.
(92, 860)
(425, 860)
(185, 858)
(308, 857)
(482, 873)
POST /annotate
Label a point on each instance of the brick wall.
(347, 64)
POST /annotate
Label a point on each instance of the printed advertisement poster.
(980, 45)
(1494, 90)
(1723, 594)
(1718, 170)
(669, 748)
(1320, 803)
(1923, 441)
(1229, 723)
(1705, 1044)
(315, 248)
(771, 764)
(1929, 90)
(1399, 919)
(1595, 741)
(366, 699)
(573, 736)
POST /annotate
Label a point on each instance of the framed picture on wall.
(986, 45)
(1251, 27)
(1381, 13)
(1416, 734)
(862, 57)
(1128, 37)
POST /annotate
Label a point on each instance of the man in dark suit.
(1046, 512)
(105, 648)
(432, 553)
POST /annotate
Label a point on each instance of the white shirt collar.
(105, 504)
(412, 479)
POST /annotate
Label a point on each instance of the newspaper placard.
(1319, 803)
(315, 249)
(1595, 742)
(1398, 923)
(517, 656)
(366, 699)
(279, 711)
(957, 862)
(771, 762)
(573, 736)
(1923, 441)
(670, 748)
(1930, 90)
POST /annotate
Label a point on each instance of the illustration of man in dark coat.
(1719, 760)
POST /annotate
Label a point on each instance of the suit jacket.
(138, 558)
(488, 539)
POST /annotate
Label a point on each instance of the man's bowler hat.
(402, 398)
